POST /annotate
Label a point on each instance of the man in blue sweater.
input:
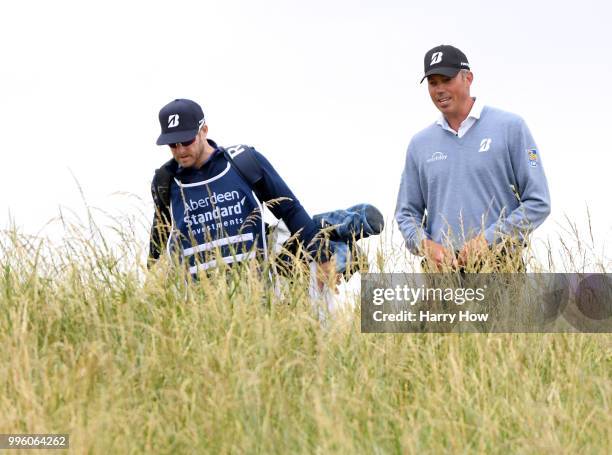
(473, 181)
(214, 214)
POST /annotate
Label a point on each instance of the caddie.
(213, 211)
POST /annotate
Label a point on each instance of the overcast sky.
(327, 90)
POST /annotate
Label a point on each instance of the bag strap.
(243, 159)
(163, 180)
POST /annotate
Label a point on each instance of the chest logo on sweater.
(485, 145)
(437, 156)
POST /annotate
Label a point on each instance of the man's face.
(450, 95)
(192, 154)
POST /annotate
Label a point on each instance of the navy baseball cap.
(180, 121)
(445, 60)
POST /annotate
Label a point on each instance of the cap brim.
(177, 136)
(444, 71)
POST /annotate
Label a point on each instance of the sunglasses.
(184, 144)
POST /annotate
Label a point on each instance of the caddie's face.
(191, 155)
(450, 95)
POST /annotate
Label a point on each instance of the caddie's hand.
(473, 249)
(437, 254)
(326, 275)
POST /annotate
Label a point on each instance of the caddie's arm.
(160, 228)
(288, 208)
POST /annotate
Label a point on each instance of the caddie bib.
(214, 220)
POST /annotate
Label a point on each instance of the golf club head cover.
(357, 222)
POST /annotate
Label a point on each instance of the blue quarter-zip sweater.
(489, 181)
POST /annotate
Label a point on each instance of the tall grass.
(130, 361)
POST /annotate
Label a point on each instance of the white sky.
(327, 90)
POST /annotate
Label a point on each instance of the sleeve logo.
(533, 157)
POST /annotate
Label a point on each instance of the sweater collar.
(474, 115)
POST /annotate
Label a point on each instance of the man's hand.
(326, 275)
(437, 254)
(473, 249)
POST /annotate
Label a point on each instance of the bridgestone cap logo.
(436, 58)
(173, 121)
